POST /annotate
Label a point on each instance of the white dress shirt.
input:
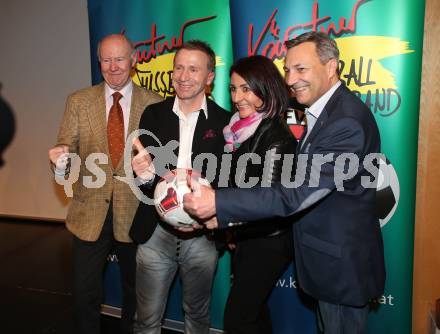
(187, 126)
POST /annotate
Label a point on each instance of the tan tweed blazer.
(84, 130)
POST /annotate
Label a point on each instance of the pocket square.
(210, 133)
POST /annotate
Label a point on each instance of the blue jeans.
(157, 263)
(342, 319)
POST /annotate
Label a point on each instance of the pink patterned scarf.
(240, 129)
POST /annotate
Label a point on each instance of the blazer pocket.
(321, 245)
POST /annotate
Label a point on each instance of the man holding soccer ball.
(196, 123)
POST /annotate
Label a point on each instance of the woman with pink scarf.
(256, 133)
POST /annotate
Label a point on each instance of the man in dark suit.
(196, 123)
(338, 243)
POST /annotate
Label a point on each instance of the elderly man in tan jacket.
(98, 119)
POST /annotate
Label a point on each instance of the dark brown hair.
(326, 47)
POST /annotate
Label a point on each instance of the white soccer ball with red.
(168, 196)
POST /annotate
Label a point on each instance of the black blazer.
(160, 119)
(338, 242)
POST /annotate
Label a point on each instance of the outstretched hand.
(200, 202)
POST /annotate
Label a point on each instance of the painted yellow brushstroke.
(374, 48)
(279, 63)
(163, 63)
(160, 63)
(155, 74)
(219, 61)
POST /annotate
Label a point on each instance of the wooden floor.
(35, 279)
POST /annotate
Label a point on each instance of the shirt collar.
(125, 91)
(316, 108)
(203, 106)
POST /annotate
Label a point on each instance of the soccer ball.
(168, 196)
(387, 192)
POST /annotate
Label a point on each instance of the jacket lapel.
(322, 119)
(201, 126)
(136, 110)
(167, 127)
(97, 119)
(316, 128)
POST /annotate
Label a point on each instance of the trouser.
(342, 319)
(157, 263)
(89, 260)
(257, 264)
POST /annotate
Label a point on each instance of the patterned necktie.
(115, 130)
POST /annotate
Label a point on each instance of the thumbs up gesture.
(142, 163)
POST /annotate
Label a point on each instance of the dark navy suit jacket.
(337, 238)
